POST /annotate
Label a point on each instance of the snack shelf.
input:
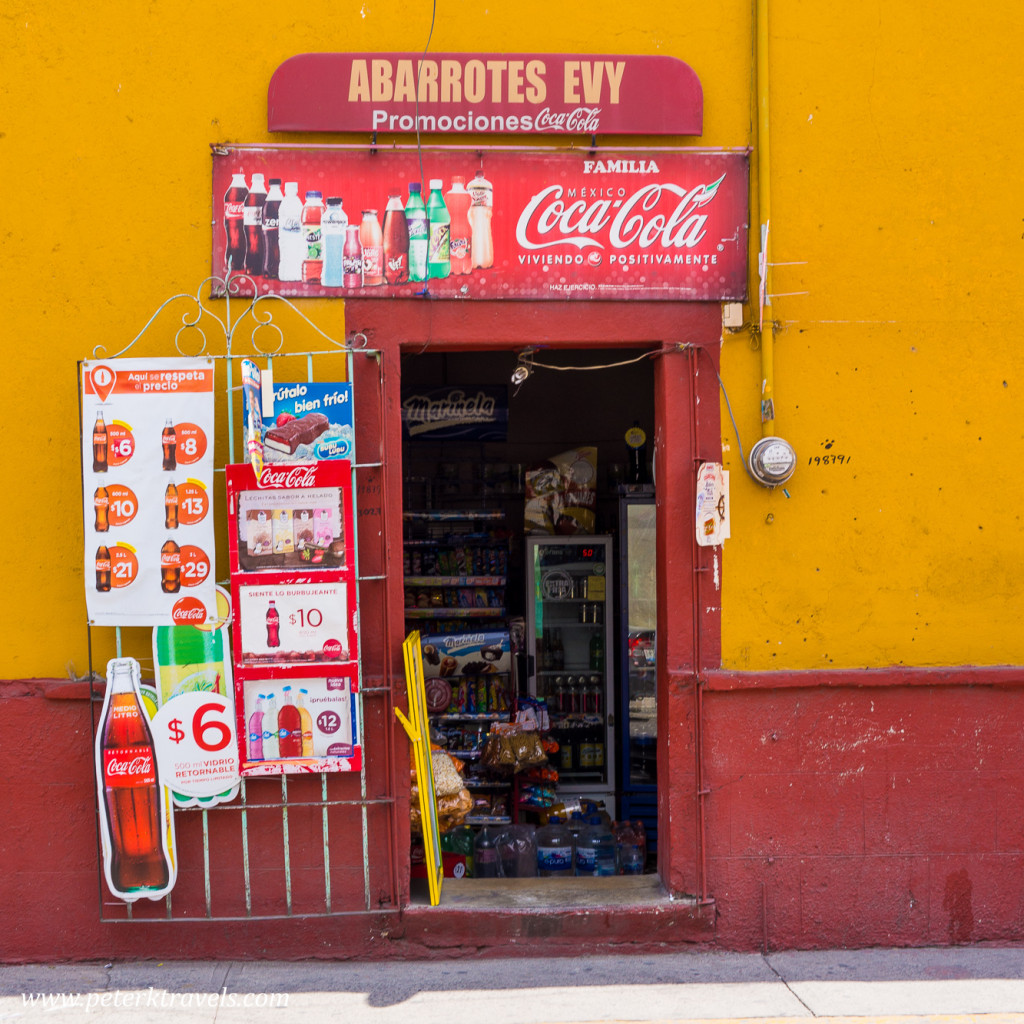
(456, 581)
(454, 613)
(487, 784)
(488, 819)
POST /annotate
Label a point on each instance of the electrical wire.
(526, 358)
(419, 69)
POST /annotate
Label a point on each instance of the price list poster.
(147, 469)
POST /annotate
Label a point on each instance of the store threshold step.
(544, 893)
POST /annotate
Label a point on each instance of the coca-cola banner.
(474, 93)
(147, 466)
(482, 224)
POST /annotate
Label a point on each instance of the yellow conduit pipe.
(764, 205)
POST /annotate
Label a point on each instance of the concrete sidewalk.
(937, 986)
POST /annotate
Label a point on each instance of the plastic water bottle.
(256, 731)
(270, 734)
(586, 852)
(290, 236)
(554, 850)
(334, 224)
(605, 863)
(631, 842)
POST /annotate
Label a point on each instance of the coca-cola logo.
(297, 475)
(129, 768)
(188, 611)
(577, 216)
(582, 119)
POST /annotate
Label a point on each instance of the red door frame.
(686, 431)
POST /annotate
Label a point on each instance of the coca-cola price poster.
(480, 224)
(147, 467)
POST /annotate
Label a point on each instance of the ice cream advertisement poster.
(310, 422)
(147, 469)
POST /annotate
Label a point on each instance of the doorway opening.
(530, 573)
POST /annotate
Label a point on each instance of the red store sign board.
(535, 225)
(462, 93)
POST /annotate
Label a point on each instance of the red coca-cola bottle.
(273, 626)
(171, 507)
(396, 242)
(103, 568)
(170, 446)
(100, 445)
(252, 219)
(234, 224)
(131, 798)
(372, 241)
(352, 258)
(170, 567)
(101, 503)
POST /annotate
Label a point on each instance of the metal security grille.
(288, 846)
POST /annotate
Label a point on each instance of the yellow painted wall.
(895, 179)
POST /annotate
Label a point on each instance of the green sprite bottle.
(419, 233)
(438, 253)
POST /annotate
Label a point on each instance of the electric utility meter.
(772, 461)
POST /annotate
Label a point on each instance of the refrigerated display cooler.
(571, 648)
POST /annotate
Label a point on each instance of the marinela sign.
(459, 93)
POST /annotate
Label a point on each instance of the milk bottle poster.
(147, 469)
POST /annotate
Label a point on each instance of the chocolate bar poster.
(147, 470)
(311, 422)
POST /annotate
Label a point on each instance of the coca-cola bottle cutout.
(170, 567)
(234, 224)
(169, 440)
(132, 807)
(100, 444)
(103, 568)
(458, 201)
(352, 259)
(482, 246)
(273, 626)
(101, 504)
(396, 242)
(171, 507)
(271, 224)
(372, 241)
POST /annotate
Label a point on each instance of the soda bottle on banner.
(334, 225)
(396, 242)
(169, 442)
(103, 568)
(134, 826)
(101, 503)
(291, 240)
(256, 730)
(252, 216)
(170, 567)
(438, 249)
(273, 626)
(419, 233)
(100, 444)
(312, 231)
(270, 734)
(352, 258)
(270, 224)
(307, 723)
(171, 507)
(372, 241)
(289, 724)
(482, 246)
(458, 201)
(234, 224)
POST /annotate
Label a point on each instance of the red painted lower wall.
(836, 815)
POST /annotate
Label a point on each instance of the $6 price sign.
(194, 735)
